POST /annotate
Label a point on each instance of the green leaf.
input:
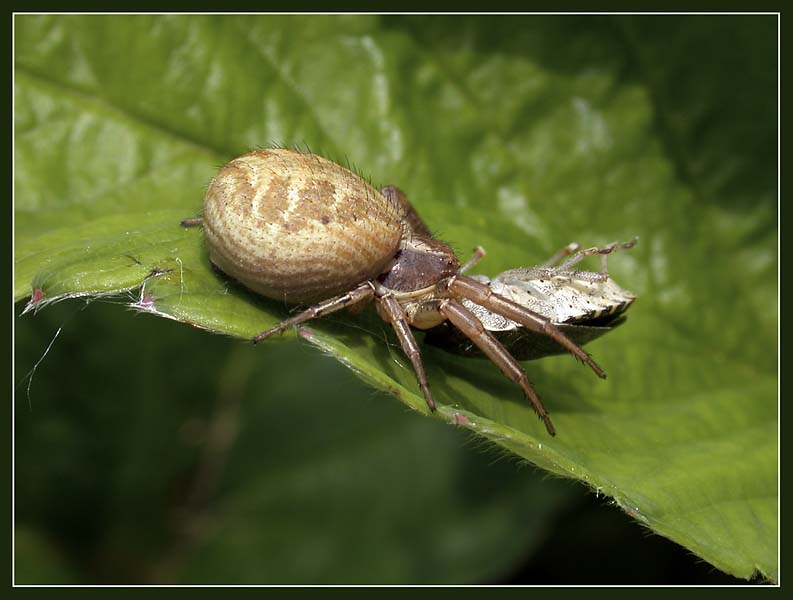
(520, 135)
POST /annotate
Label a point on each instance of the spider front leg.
(362, 293)
(479, 254)
(466, 321)
(465, 287)
(409, 213)
(396, 316)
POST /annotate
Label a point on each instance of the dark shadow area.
(596, 544)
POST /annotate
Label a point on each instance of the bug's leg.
(466, 321)
(566, 251)
(362, 293)
(192, 222)
(398, 319)
(604, 252)
(482, 295)
(479, 254)
(398, 197)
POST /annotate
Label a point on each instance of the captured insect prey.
(581, 304)
(298, 228)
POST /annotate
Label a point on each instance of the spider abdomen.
(296, 227)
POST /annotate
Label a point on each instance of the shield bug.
(582, 304)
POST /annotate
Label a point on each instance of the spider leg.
(479, 254)
(192, 222)
(398, 319)
(483, 296)
(473, 329)
(360, 294)
(410, 216)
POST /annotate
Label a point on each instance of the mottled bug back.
(579, 304)
(296, 227)
(563, 297)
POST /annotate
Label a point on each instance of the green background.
(147, 451)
